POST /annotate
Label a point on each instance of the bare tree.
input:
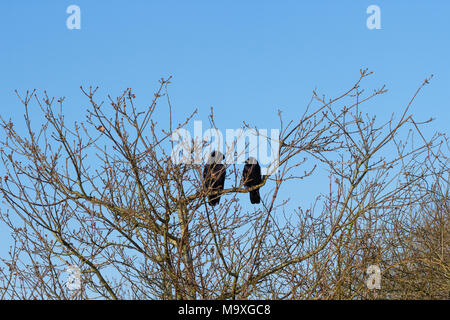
(105, 195)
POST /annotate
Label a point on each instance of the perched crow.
(214, 176)
(252, 177)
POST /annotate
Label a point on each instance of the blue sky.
(245, 58)
(238, 56)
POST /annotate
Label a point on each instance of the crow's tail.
(254, 196)
(213, 199)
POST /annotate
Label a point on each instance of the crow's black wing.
(214, 177)
(252, 177)
(256, 174)
(245, 174)
(220, 172)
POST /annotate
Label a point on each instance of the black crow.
(214, 177)
(252, 177)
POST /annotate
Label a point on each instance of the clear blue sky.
(238, 56)
(245, 58)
